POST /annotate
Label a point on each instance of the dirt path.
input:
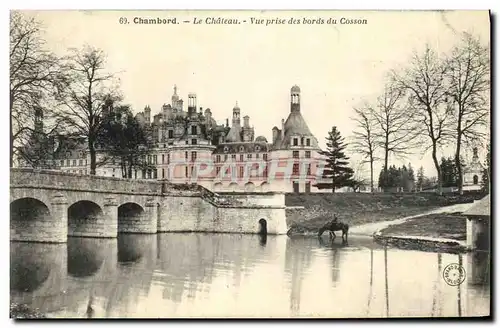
(371, 228)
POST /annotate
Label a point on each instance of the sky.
(336, 66)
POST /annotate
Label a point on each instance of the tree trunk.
(92, 152)
(458, 164)
(371, 173)
(438, 169)
(11, 161)
(386, 161)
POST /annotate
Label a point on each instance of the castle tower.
(295, 99)
(147, 114)
(191, 104)
(175, 97)
(236, 115)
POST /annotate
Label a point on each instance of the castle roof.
(295, 125)
(480, 208)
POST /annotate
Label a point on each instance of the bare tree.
(35, 76)
(364, 142)
(396, 131)
(89, 91)
(468, 70)
(425, 80)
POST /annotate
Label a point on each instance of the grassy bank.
(362, 208)
(444, 225)
(438, 233)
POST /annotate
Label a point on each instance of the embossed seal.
(454, 274)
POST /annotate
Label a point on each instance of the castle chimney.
(282, 128)
(275, 133)
(191, 104)
(246, 121)
(227, 122)
(147, 114)
(474, 154)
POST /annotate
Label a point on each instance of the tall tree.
(394, 116)
(125, 140)
(364, 142)
(336, 167)
(88, 92)
(425, 81)
(35, 76)
(468, 72)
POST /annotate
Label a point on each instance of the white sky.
(336, 66)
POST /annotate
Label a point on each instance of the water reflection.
(220, 275)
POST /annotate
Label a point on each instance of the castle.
(190, 147)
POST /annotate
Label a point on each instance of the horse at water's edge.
(333, 226)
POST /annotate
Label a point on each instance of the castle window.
(233, 156)
(62, 162)
(186, 155)
(193, 156)
(187, 142)
(241, 171)
(149, 174)
(249, 156)
(217, 159)
(242, 149)
(155, 174)
(74, 162)
(226, 149)
(194, 141)
(265, 172)
(168, 158)
(295, 141)
(80, 162)
(295, 154)
(308, 154)
(163, 158)
(302, 141)
(264, 156)
(308, 142)
(475, 179)
(308, 187)
(163, 173)
(194, 130)
(308, 169)
(257, 148)
(225, 158)
(217, 170)
(186, 171)
(295, 169)
(257, 155)
(170, 134)
(241, 157)
(164, 145)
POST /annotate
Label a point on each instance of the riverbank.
(364, 212)
(444, 232)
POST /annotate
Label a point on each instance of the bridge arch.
(83, 219)
(249, 187)
(130, 217)
(28, 216)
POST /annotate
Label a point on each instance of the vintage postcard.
(250, 164)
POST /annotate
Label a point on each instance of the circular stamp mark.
(454, 274)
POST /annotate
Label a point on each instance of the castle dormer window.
(226, 149)
(170, 134)
(242, 149)
(257, 148)
(194, 130)
(308, 142)
(194, 141)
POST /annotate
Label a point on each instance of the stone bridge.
(48, 206)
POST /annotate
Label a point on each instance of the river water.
(230, 275)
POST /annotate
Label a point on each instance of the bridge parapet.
(68, 181)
